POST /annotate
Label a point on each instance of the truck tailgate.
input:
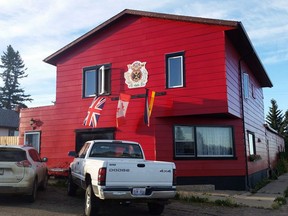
(133, 173)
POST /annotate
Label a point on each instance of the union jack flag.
(94, 112)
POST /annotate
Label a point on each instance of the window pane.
(33, 139)
(12, 155)
(34, 155)
(97, 81)
(90, 83)
(175, 71)
(214, 141)
(184, 141)
(251, 141)
(246, 85)
(104, 81)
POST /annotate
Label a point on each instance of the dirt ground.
(55, 202)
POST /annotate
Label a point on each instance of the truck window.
(82, 153)
(112, 150)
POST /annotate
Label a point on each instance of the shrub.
(227, 202)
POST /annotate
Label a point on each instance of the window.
(12, 155)
(33, 139)
(251, 142)
(201, 141)
(246, 85)
(175, 70)
(34, 155)
(184, 141)
(119, 150)
(253, 91)
(96, 81)
(82, 153)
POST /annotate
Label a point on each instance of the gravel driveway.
(55, 202)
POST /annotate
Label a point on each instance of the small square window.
(175, 70)
(96, 81)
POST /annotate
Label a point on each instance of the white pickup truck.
(114, 170)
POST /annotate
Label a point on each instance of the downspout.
(243, 120)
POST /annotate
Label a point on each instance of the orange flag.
(148, 106)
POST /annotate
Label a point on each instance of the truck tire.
(71, 186)
(155, 208)
(92, 204)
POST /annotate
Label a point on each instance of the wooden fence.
(9, 140)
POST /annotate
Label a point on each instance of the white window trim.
(169, 71)
(101, 85)
(37, 147)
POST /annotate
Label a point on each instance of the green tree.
(285, 131)
(275, 118)
(11, 94)
(278, 121)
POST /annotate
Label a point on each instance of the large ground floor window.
(203, 141)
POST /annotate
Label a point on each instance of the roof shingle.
(9, 118)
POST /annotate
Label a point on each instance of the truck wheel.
(92, 204)
(155, 208)
(71, 187)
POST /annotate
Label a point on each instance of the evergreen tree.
(11, 94)
(285, 131)
(275, 118)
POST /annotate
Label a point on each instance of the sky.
(38, 28)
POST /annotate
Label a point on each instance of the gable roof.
(9, 118)
(237, 35)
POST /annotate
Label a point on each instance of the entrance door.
(95, 134)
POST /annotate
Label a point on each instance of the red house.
(208, 112)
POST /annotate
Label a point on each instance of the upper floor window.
(253, 91)
(203, 141)
(96, 80)
(246, 85)
(175, 70)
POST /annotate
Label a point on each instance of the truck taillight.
(24, 163)
(174, 177)
(102, 176)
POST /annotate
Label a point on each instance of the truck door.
(79, 162)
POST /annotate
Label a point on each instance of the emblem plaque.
(137, 75)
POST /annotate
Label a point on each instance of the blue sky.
(38, 28)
